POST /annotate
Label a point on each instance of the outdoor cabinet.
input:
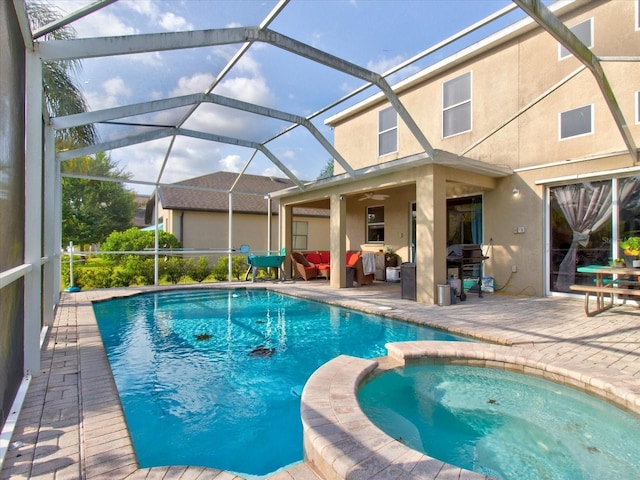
(408, 281)
(383, 261)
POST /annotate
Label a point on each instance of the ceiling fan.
(373, 196)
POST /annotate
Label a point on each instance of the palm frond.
(62, 96)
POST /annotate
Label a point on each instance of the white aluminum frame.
(562, 48)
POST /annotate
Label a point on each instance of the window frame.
(561, 48)
(377, 224)
(295, 235)
(387, 131)
(448, 108)
(591, 123)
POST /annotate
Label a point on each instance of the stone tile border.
(340, 442)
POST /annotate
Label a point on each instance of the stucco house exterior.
(519, 147)
(196, 211)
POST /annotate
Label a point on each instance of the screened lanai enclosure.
(179, 90)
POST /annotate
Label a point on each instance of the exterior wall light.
(515, 192)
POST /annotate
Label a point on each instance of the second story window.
(375, 224)
(576, 122)
(584, 33)
(387, 131)
(456, 105)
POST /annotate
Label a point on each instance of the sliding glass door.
(587, 220)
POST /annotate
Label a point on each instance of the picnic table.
(624, 281)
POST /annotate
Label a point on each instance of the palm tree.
(62, 96)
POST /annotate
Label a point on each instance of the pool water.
(503, 424)
(213, 377)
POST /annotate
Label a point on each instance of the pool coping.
(340, 442)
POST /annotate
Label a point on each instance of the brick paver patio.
(72, 427)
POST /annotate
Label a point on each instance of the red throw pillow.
(314, 258)
(326, 257)
(352, 258)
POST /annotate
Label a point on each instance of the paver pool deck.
(71, 425)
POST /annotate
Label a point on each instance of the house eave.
(440, 157)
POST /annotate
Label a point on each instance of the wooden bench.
(604, 291)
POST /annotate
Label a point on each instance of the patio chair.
(303, 269)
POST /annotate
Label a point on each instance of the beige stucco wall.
(396, 212)
(504, 81)
(210, 230)
(520, 75)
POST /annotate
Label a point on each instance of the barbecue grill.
(467, 258)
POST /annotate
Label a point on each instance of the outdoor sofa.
(317, 264)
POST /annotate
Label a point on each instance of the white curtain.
(586, 207)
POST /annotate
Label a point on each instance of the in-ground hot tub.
(503, 424)
(341, 440)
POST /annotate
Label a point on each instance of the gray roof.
(248, 194)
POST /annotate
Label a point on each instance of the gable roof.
(210, 193)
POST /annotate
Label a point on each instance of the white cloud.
(102, 24)
(227, 121)
(116, 87)
(167, 20)
(231, 163)
(383, 64)
(197, 83)
(276, 172)
(143, 7)
(112, 93)
(289, 154)
(150, 59)
(248, 65)
(172, 22)
(252, 90)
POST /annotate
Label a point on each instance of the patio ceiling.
(136, 126)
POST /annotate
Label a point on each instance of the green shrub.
(134, 240)
(199, 269)
(174, 268)
(137, 270)
(238, 268)
(89, 276)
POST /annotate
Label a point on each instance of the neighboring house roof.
(211, 194)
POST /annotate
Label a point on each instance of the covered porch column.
(286, 234)
(431, 232)
(338, 241)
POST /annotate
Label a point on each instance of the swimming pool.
(213, 377)
(504, 424)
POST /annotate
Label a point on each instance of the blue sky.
(376, 34)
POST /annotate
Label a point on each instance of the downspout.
(182, 228)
